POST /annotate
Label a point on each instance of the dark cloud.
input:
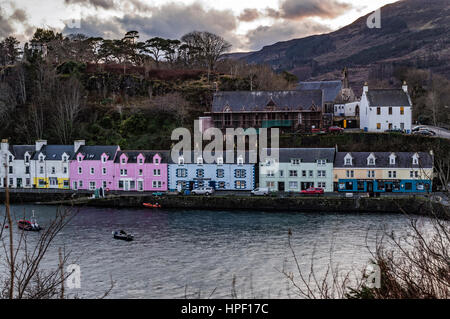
(105, 4)
(294, 9)
(169, 21)
(282, 31)
(249, 15)
(6, 28)
(19, 15)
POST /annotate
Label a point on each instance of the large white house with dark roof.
(385, 109)
(15, 162)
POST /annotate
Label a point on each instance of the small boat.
(149, 205)
(121, 234)
(28, 226)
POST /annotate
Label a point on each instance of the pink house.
(141, 171)
(92, 167)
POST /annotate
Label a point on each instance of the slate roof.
(307, 155)
(132, 156)
(248, 101)
(249, 158)
(388, 97)
(94, 153)
(403, 160)
(54, 152)
(19, 151)
(330, 89)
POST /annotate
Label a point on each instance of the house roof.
(94, 153)
(250, 157)
(403, 160)
(54, 152)
(247, 101)
(307, 155)
(19, 151)
(330, 89)
(388, 97)
(132, 156)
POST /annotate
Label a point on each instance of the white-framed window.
(240, 160)
(27, 159)
(180, 160)
(311, 173)
(92, 186)
(41, 158)
(350, 174)
(371, 174)
(92, 171)
(141, 160)
(322, 162)
(281, 172)
(156, 160)
(53, 170)
(181, 172)
(392, 174)
(240, 184)
(79, 158)
(123, 172)
(321, 174)
(293, 173)
(239, 173)
(123, 160)
(80, 170)
(64, 170)
(296, 161)
(156, 184)
(103, 170)
(322, 184)
(293, 185)
(104, 184)
(270, 185)
(157, 172)
(220, 161)
(270, 173)
(200, 161)
(80, 183)
(41, 169)
(103, 159)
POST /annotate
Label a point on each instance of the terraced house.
(140, 171)
(92, 167)
(397, 172)
(50, 165)
(296, 169)
(190, 173)
(15, 165)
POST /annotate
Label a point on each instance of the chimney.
(366, 87)
(5, 145)
(77, 144)
(39, 144)
(405, 87)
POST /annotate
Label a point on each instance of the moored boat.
(149, 205)
(28, 226)
(121, 234)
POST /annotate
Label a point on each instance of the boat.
(121, 234)
(29, 225)
(149, 205)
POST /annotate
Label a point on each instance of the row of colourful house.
(84, 167)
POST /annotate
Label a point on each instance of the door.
(19, 183)
(370, 187)
(126, 185)
(388, 187)
(140, 185)
(281, 186)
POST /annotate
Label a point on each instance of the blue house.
(192, 173)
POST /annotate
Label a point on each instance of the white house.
(385, 109)
(15, 162)
(50, 165)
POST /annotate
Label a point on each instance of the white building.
(15, 162)
(385, 109)
(50, 165)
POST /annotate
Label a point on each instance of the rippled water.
(183, 253)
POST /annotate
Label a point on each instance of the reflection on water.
(179, 252)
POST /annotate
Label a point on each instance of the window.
(408, 186)
(141, 161)
(239, 184)
(281, 173)
(370, 174)
(348, 161)
(53, 170)
(392, 174)
(64, 159)
(140, 172)
(120, 185)
(92, 171)
(132, 184)
(156, 184)
(41, 158)
(41, 169)
(28, 181)
(64, 170)
(200, 173)
(27, 159)
(321, 173)
(411, 174)
(322, 185)
(80, 170)
(390, 110)
(240, 160)
(270, 185)
(156, 161)
(321, 162)
(104, 184)
(402, 110)
(92, 185)
(378, 110)
(123, 172)
(11, 181)
(123, 160)
(10, 159)
(200, 161)
(303, 173)
(416, 174)
(415, 161)
(42, 183)
(104, 170)
(79, 158)
(378, 126)
(292, 173)
(392, 160)
(10, 170)
(181, 172)
(27, 170)
(293, 185)
(350, 174)
(270, 173)
(239, 173)
(182, 184)
(180, 160)
(311, 173)
(80, 183)
(157, 172)
(371, 161)
(103, 159)
(296, 161)
(220, 173)
(220, 185)
(220, 161)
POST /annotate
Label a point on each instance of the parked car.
(313, 191)
(335, 129)
(203, 191)
(260, 191)
(317, 131)
(395, 130)
(425, 132)
(418, 128)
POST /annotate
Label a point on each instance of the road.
(440, 132)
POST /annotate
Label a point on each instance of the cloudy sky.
(247, 24)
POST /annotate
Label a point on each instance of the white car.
(203, 191)
(261, 191)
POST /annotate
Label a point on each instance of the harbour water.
(178, 254)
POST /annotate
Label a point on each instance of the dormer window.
(348, 160)
(27, 159)
(392, 159)
(371, 160)
(104, 159)
(296, 161)
(156, 160)
(180, 160)
(123, 160)
(200, 161)
(41, 158)
(220, 161)
(240, 160)
(64, 158)
(141, 160)
(79, 158)
(415, 160)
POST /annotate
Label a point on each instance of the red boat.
(149, 205)
(27, 225)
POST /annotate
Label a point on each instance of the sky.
(247, 24)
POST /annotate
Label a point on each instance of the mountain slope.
(413, 33)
